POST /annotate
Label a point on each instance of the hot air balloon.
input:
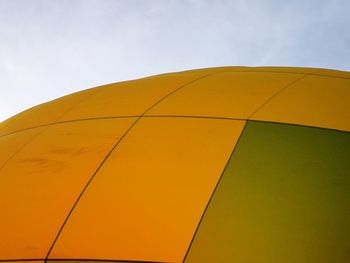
(230, 164)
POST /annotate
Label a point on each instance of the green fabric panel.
(283, 197)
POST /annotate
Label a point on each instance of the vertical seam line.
(36, 136)
(109, 153)
(214, 191)
(277, 93)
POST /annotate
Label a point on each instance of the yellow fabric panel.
(10, 144)
(40, 184)
(213, 70)
(314, 101)
(133, 97)
(317, 71)
(129, 98)
(232, 95)
(302, 71)
(42, 114)
(282, 70)
(333, 73)
(146, 201)
(295, 70)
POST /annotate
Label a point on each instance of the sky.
(51, 48)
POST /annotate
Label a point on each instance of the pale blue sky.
(50, 48)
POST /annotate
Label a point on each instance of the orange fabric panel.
(313, 101)
(130, 98)
(333, 73)
(40, 184)
(229, 94)
(292, 70)
(286, 70)
(42, 114)
(89, 261)
(301, 71)
(283, 70)
(10, 144)
(118, 99)
(146, 201)
(213, 70)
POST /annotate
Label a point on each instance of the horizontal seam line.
(103, 260)
(136, 116)
(299, 125)
(109, 154)
(21, 259)
(81, 259)
(215, 73)
(68, 121)
(167, 116)
(117, 117)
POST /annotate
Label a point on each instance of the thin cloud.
(51, 48)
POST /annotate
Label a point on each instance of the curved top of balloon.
(305, 96)
(210, 165)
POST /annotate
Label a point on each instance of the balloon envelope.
(231, 164)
